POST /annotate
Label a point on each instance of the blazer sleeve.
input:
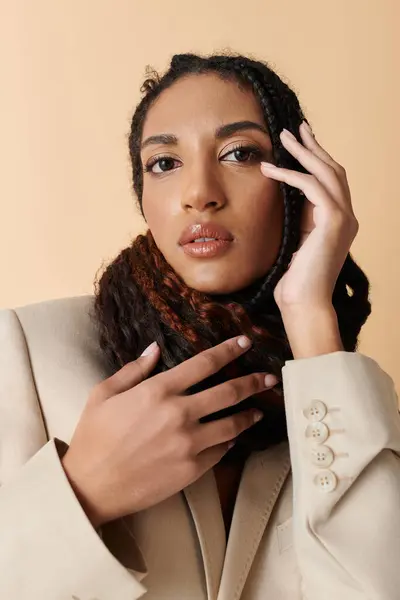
(344, 437)
(49, 549)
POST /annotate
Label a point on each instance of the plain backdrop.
(70, 78)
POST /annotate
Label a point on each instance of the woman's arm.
(344, 436)
(48, 547)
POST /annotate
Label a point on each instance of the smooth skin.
(139, 441)
(201, 178)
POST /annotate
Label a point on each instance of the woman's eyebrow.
(222, 132)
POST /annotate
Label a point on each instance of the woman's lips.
(209, 230)
(207, 249)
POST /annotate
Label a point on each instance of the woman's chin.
(211, 285)
(221, 285)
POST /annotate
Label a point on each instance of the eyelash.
(257, 153)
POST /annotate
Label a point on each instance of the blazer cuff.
(49, 548)
(341, 412)
(117, 536)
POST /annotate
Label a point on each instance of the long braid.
(279, 105)
(192, 314)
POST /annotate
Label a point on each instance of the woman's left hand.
(328, 225)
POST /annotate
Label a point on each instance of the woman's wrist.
(312, 331)
(92, 512)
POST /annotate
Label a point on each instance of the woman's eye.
(242, 154)
(165, 163)
(245, 154)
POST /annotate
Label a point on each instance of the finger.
(228, 393)
(311, 143)
(312, 188)
(225, 430)
(327, 174)
(206, 363)
(207, 459)
(130, 374)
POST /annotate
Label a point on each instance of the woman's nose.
(202, 192)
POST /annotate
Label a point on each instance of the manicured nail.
(288, 134)
(244, 342)
(267, 165)
(270, 380)
(258, 415)
(150, 349)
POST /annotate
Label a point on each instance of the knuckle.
(152, 390)
(310, 180)
(185, 446)
(175, 415)
(333, 168)
(160, 383)
(348, 224)
(355, 226)
(209, 361)
(256, 382)
(233, 391)
(151, 399)
(337, 219)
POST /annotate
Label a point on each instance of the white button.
(322, 456)
(317, 432)
(326, 481)
(316, 411)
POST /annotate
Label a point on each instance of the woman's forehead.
(198, 100)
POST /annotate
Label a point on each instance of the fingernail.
(270, 380)
(149, 349)
(258, 415)
(288, 134)
(244, 342)
(267, 165)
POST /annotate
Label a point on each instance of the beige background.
(70, 77)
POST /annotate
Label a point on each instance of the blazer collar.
(227, 565)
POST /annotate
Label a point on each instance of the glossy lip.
(200, 230)
(207, 249)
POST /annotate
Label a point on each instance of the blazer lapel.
(262, 479)
(227, 565)
(203, 501)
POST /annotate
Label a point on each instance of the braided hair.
(139, 298)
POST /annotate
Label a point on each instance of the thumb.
(146, 362)
(133, 372)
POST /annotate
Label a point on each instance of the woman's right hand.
(139, 440)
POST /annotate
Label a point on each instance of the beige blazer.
(315, 519)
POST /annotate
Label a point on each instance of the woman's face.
(196, 177)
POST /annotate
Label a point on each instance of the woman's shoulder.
(50, 359)
(60, 331)
(60, 319)
(71, 308)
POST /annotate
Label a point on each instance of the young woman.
(133, 458)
